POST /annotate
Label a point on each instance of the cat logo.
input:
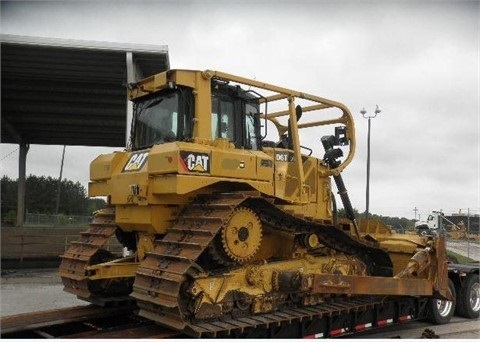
(136, 162)
(195, 161)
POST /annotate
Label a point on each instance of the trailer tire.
(468, 298)
(441, 311)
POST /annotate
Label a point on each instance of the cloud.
(417, 60)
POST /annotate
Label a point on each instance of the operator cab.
(168, 116)
(162, 117)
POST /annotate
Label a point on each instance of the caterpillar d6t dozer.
(227, 231)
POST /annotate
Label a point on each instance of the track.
(161, 278)
(88, 251)
(81, 253)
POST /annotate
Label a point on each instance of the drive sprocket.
(241, 236)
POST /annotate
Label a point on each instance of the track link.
(81, 253)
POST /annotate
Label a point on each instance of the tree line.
(400, 224)
(41, 197)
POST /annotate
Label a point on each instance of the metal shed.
(69, 92)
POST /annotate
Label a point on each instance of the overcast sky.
(419, 61)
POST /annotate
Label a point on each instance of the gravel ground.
(25, 291)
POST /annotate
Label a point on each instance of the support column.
(22, 162)
(130, 79)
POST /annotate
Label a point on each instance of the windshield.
(158, 120)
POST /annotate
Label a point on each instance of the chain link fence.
(465, 248)
(463, 238)
(38, 220)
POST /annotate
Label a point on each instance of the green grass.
(458, 258)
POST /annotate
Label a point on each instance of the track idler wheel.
(241, 236)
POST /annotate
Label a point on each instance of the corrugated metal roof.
(70, 92)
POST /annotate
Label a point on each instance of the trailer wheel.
(441, 311)
(468, 298)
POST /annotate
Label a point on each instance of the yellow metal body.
(414, 258)
(263, 281)
(150, 187)
(148, 196)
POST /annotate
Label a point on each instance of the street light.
(364, 114)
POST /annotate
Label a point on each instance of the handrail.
(345, 118)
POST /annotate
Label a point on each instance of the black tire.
(441, 311)
(423, 232)
(468, 298)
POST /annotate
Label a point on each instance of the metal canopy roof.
(70, 92)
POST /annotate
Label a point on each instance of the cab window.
(251, 122)
(223, 120)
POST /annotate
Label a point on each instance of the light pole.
(369, 117)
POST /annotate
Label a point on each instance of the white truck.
(434, 225)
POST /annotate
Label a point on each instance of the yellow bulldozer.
(229, 229)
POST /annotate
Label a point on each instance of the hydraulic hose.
(330, 158)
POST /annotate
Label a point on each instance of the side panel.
(153, 218)
(104, 165)
(238, 164)
(287, 184)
